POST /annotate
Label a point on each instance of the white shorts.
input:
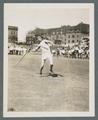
(47, 57)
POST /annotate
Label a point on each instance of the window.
(77, 36)
(14, 33)
(68, 41)
(72, 41)
(73, 36)
(77, 40)
(68, 36)
(57, 41)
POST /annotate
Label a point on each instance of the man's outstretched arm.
(36, 49)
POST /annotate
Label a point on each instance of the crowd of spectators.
(16, 50)
(75, 51)
(72, 52)
(69, 52)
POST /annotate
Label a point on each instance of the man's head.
(43, 36)
(39, 38)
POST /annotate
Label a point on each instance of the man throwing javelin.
(45, 46)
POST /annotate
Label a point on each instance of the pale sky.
(29, 16)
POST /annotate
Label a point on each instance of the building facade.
(12, 34)
(58, 38)
(68, 35)
(31, 38)
(75, 34)
(73, 37)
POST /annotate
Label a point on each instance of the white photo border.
(91, 112)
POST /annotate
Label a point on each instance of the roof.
(13, 27)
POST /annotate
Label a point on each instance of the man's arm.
(36, 49)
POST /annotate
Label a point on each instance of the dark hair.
(43, 36)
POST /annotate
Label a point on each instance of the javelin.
(22, 57)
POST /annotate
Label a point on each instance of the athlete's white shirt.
(46, 52)
(45, 46)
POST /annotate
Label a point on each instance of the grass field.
(29, 92)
